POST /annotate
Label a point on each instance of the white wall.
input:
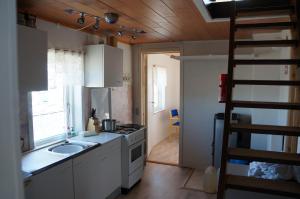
(201, 103)
(158, 123)
(11, 182)
(270, 93)
(122, 96)
(267, 93)
(61, 37)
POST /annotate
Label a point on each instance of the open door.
(163, 96)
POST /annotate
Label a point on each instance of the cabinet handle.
(27, 183)
(104, 158)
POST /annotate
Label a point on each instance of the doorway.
(163, 105)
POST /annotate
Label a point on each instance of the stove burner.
(128, 128)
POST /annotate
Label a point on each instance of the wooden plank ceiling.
(163, 20)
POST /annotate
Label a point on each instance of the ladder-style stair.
(266, 105)
(228, 181)
(264, 156)
(258, 10)
(267, 43)
(283, 188)
(265, 129)
(266, 62)
(274, 25)
(266, 82)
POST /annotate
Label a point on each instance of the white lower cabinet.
(55, 183)
(93, 175)
(112, 169)
(98, 173)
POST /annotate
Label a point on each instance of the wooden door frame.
(144, 92)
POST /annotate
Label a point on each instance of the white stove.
(133, 147)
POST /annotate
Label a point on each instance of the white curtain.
(68, 69)
(57, 105)
(159, 87)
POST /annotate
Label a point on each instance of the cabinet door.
(113, 67)
(32, 59)
(56, 182)
(112, 169)
(93, 66)
(88, 174)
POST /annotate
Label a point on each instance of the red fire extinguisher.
(223, 88)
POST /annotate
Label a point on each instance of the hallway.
(167, 151)
(164, 182)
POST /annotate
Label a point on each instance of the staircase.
(290, 188)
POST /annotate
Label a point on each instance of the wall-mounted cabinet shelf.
(32, 59)
(103, 66)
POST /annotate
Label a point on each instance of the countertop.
(37, 161)
(102, 138)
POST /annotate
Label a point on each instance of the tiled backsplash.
(122, 104)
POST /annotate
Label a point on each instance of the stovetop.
(127, 129)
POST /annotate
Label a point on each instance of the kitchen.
(74, 111)
(120, 158)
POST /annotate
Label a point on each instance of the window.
(159, 88)
(51, 109)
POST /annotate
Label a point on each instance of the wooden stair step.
(266, 105)
(284, 188)
(267, 62)
(274, 25)
(267, 43)
(265, 129)
(271, 10)
(267, 82)
(264, 156)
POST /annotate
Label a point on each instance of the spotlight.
(81, 19)
(97, 23)
(111, 18)
(120, 33)
(141, 32)
(133, 37)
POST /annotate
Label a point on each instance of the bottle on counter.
(93, 123)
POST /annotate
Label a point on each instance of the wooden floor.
(164, 182)
(167, 151)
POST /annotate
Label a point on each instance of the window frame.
(69, 111)
(154, 76)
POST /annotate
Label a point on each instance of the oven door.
(136, 156)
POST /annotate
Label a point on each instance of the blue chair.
(174, 120)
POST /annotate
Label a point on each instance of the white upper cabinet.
(32, 59)
(103, 66)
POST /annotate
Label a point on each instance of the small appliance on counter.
(133, 146)
(109, 125)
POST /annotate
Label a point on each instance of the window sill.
(157, 112)
(39, 147)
